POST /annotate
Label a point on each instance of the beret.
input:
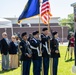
(54, 33)
(23, 34)
(35, 32)
(44, 29)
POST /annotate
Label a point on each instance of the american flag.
(45, 12)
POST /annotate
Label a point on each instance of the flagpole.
(49, 40)
(40, 36)
(50, 59)
(41, 46)
(40, 39)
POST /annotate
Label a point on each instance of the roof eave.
(73, 4)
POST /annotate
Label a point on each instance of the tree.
(69, 21)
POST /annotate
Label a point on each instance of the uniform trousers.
(26, 67)
(46, 65)
(55, 65)
(37, 66)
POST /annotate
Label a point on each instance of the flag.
(45, 12)
(31, 9)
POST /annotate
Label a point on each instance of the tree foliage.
(69, 21)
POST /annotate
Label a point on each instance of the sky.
(13, 8)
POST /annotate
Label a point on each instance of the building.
(32, 24)
(74, 7)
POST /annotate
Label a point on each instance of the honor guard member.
(55, 54)
(45, 50)
(26, 54)
(36, 58)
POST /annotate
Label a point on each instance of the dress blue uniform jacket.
(34, 43)
(44, 39)
(54, 44)
(24, 46)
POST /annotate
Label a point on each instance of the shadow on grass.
(1, 72)
(69, 60)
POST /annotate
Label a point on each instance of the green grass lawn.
(64, 67)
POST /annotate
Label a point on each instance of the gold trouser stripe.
(42, 67)
(22, 68)
(51, 66)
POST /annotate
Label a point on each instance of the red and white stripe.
(45, 12)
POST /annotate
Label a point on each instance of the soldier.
(30, 37)
(35, 44)
(55, 54)
(26, 54)
(45, 50)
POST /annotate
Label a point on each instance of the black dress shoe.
(3, 69)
